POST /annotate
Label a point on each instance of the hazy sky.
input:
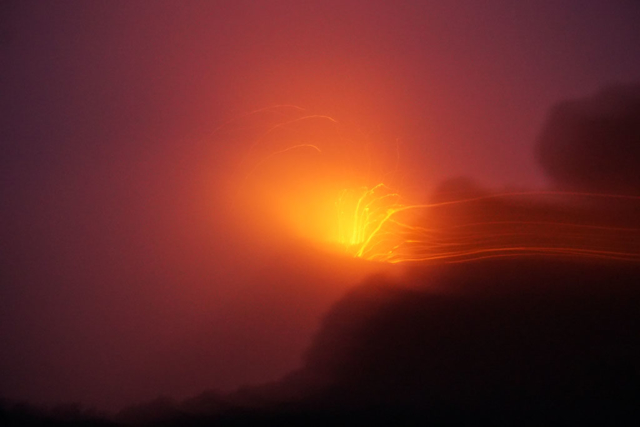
(119, 279)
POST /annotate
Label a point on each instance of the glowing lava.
(362, 213)
(311, 177)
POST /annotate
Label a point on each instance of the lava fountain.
(322, 183)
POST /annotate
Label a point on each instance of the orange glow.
(491, 239)
(306, 174)
(361, 213)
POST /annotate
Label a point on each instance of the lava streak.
(506, 225)
(361, 214)
(315, 180)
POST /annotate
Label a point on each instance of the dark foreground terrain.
(504, 342)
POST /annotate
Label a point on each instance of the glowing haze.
(321, 184)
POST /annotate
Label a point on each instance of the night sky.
(124, 273)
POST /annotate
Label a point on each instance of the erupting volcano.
(319, 182)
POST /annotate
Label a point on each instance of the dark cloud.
(593, 144)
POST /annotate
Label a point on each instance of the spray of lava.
(312, 174)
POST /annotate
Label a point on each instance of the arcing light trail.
(375, 223)
(378, 234)
(491, 239)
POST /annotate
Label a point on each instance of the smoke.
(593, 143)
